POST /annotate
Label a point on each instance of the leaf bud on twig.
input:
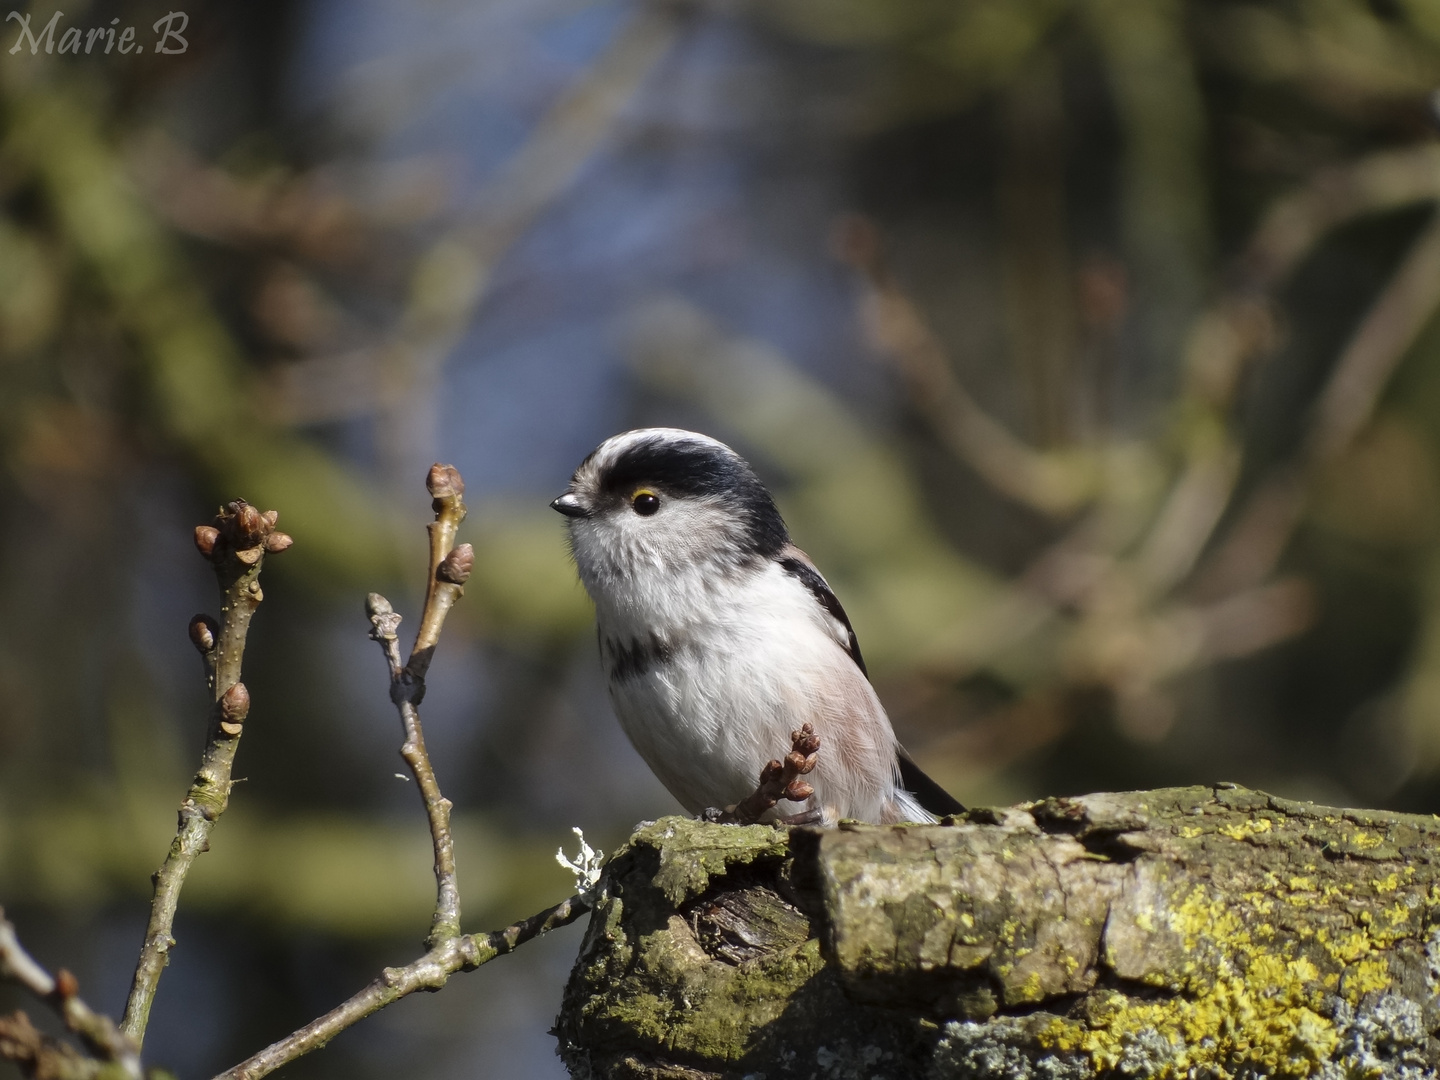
(202, 633)
(455, 567)
(805, 741)
(235, 702)
(277, 541)
(249, 525)
(205, 538)
(66, 985)
(444, 481)
(384, 619)
(234, 707)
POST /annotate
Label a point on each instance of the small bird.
(719, 637)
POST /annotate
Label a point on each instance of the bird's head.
(665, 501)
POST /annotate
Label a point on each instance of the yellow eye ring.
(645, 502)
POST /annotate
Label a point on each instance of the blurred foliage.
(1146, 489)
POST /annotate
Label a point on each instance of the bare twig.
(780, 779)
(405, 691)
(1241, 328)
(19, 1041)
(1380, 342)
(1374, 184)
(1388, 330)
(1044, 482)
(449, 569)
(236, 545)
(1232, 611)
(39, 1055)
(1228, 607)
(449, 951)
(431, 972)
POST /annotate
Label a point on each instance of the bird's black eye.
(645, 502)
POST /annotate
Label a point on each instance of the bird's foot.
(804, 817)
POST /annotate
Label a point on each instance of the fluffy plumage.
(719, 637)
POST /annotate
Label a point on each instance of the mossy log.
(1189, 932)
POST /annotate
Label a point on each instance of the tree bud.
(384, 620)
(66, 985)
(202, 633)
(249, 526)
(798, 791)
(444, 481)
(805, 741)
(235, 705)
(205, 539)
(455, 567)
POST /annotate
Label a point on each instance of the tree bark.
(1188, 932)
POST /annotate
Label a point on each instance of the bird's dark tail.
(927, 792)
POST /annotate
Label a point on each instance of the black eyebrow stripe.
(684, 468)
(811, 579)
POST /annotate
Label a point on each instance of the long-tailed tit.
(719, 636)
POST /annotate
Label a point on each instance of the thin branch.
(447, 489)
(449, 569)
(1188, 517)
(781, 780)
(449, 951)
(62, 993)
(445, 923)
(1048, 483)
(405, 690)
(38, 1055)
(236, 545)
(1381, 341)
(1236, 332)
(431, 972)
(1396, 318)
(1242, 327)
(1295, 224)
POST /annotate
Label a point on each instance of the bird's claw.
(804, 817)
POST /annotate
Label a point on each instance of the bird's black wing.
(927, 792)
(798, 565)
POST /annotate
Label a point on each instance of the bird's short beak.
(570, 505)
